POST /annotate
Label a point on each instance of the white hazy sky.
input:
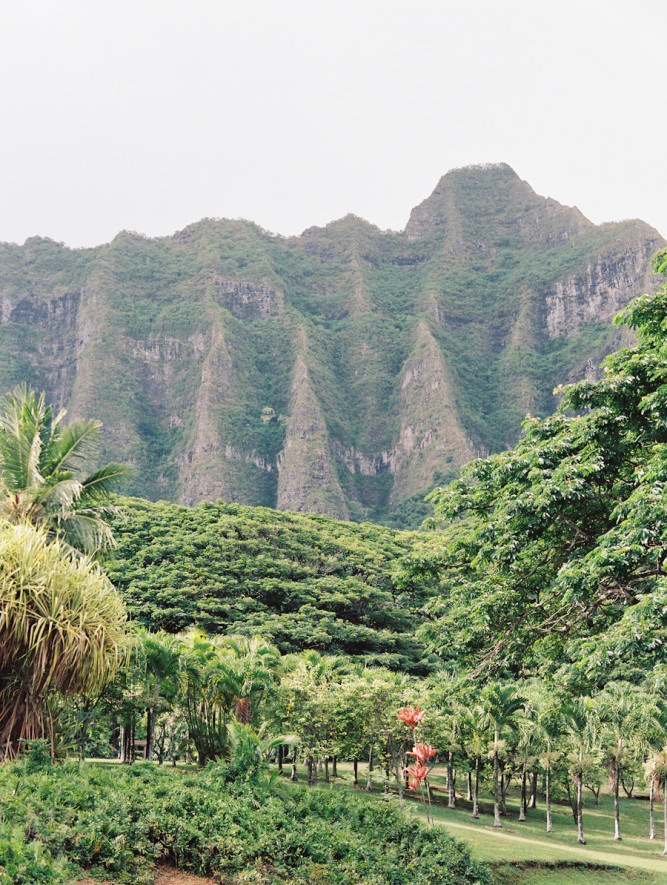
(150, 114)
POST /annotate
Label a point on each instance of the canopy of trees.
(301, 581)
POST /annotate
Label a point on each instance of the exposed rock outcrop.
(306, 476)
(337, 372)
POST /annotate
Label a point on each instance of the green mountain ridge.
(343, 371)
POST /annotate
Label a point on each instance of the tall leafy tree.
(563, 552)
(42, 472)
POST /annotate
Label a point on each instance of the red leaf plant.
(417, 773)
(411, 716)
(423, 752)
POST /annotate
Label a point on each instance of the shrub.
(121, 822)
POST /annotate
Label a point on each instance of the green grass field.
(525, 853)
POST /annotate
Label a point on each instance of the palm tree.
(256, 663)
(622, 708)
(473, 726)
(41, 460)
(581, 729)
(549, 725)
(657, 770)
(62, 630)
(527, 727)
(161, 655)
(501, 704)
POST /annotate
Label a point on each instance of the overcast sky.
(148, 115)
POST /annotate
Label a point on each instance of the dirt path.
(164, 876)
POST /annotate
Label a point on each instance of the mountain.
(340, 372)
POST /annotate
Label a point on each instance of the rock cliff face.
(339, 372)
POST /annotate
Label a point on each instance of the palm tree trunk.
(355, 769)
(469, 792)
(451, 801)
(475, 797)
(580, 813)
(547, 791)
(150, 732)
(522, 800)
(651, 816)
(617, 817)
(533, 790)
(496, 804)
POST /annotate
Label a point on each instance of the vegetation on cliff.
(335, 372)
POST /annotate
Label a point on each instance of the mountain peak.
(489, 202)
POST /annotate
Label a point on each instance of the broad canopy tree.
(559, 560)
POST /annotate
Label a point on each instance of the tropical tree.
(255, 663)
(562, 549)
(62, 630)
(501, 704)
(581, 730)
(210, 687)
(473, 727)
(41, 465)
(657, 769)
(622, 709)
(548, 729)
(162, 660)
(528, 736)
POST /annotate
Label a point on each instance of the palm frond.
(98, 486)
(72, 446)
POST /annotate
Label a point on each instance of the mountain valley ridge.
(342, 372)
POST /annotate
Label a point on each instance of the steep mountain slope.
(337, 372)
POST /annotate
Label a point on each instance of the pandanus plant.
(62, 631)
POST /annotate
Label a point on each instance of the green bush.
(120, 820)
(28, 862)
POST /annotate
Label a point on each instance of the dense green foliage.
(120, 820)
(300, 581)
(62, 630)
(41, 466)
(561, 565)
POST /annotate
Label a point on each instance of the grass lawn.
(525, 853)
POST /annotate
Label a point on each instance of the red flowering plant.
(417, 773)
